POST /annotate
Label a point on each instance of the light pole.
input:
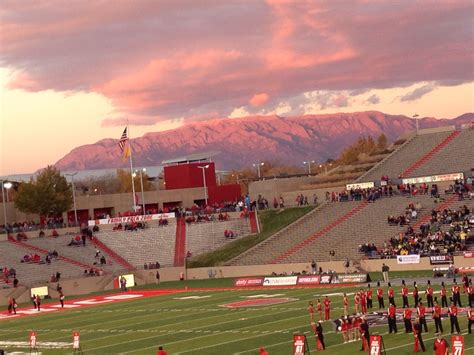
(309, 162)
(4, 207)
(141, 184)
(204, 181)
(8, 185)
(415, 116)
(258, 168)
(74, 196)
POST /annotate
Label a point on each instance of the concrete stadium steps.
(295, 233)
(121, 262)
(425, 158)
(32, 273)
(369, 225)
(405, 156)
(144, 246)
(208, 236)
(83, 254)
(426, 217)
(456, 156)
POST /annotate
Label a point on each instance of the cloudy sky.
(73, 72)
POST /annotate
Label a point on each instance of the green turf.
(202, 326)
(271, 221)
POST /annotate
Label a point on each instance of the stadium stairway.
(143, 246)
(44, 252)
(426, 157)
(427, 217)
(207, 236)
(33, 273)
(293, 234)
(454, 157)
(308, 241)
(405, 156)
(180, 242)
(117, 258)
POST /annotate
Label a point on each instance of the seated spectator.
(54, 233)
(41, 234)
(229, 234)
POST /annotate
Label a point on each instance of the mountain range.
(243, 141)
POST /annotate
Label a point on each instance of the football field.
(231, 321)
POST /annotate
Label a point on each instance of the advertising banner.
(434, 178)
(352, 278)
(441, 259)
(308, 280)
(325, 279)
(248, 281)
(408, 259)
(469, 254)
(129, 219)
(280, 281)
(361, 185)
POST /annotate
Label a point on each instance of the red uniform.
(391, 293)
(380, 292)
(311, 311)
(363, 302)
(421, 311)
(392, 311)
(407, 313)
(440, 347)
(369, 294)
(327, 308)
(404, 291)
(443, 291)
(345, 301)
(161, 352)
(437, 311)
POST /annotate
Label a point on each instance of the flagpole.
(131, 167)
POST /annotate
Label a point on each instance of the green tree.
(125, 181)
(50, 194)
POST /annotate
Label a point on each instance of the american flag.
(123, 140)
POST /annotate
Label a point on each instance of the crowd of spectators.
(151, 266)
(447, 232)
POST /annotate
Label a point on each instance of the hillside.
(243, 141)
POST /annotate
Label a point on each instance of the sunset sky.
(73, 72)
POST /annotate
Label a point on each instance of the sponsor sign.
(248, 281)
(300, 345)
(280, 281)
(308, 280)
(361, 185)
(434, 178)
(469, 254)
(129, 219)
(408, 259)
(352, 278)
(457, 345)
(441, 259)
(75, 340)
(39, 291)
(325, 279)
(129, 278)
(375, 345)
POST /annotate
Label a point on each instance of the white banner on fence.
(280, 281)
(434, 178)
(129, 219)
(408, 259)
(360, 185)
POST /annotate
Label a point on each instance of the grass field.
(202, 325)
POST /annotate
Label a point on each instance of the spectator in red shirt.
(161, 351)
(441, 346)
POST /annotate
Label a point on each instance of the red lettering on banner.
(248, 281)
(375, 345)
(299, 344)
(457, 345)
(309, 280)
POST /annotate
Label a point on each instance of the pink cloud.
(165, 59)
(259, 99)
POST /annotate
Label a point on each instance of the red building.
(197, 170)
